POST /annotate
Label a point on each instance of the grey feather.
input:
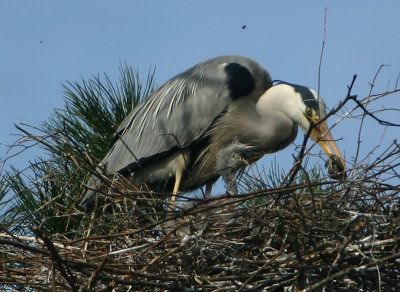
(178, 114)
(229, 161)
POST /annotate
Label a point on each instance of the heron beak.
(323, 137)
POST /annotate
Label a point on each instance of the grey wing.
(179, 113)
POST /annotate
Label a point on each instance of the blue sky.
(46, 43)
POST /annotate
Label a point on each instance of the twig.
(64, 269)
(350, 269)
(322, 53)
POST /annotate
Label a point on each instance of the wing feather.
(177, 114)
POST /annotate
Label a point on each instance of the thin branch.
(64, 269)
(322, 52)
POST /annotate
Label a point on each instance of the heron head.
(314, 111)
(308, 109)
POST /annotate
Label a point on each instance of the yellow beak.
(323, 137)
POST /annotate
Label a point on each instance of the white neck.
(284, 99)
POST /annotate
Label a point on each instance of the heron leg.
(178, 179)
(207, 194)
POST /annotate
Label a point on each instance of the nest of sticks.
(319, 235)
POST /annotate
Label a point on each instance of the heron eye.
(309, 112)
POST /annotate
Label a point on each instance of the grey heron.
(210, 121)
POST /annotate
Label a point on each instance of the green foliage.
(74, 139)
(253, 179)
(42, 199)
(93, 110)
(274, 177)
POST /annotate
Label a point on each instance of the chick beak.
(321, 134)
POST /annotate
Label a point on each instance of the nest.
(319, 235)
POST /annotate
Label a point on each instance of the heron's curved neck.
(267, 129)
(284, 100)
